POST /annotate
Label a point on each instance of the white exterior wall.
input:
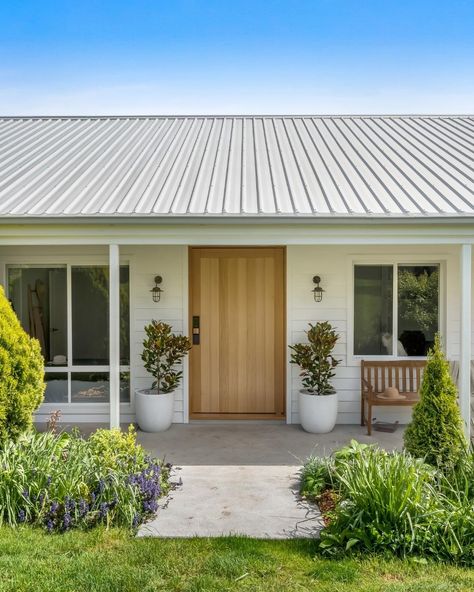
(171, 263)
(332, 263)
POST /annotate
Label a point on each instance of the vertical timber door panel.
(238, 368)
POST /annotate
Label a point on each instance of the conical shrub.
(436, 430)
(21, 374)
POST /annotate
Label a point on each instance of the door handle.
(196, 330)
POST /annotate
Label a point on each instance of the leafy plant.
(436, 432)
(162, 351)
(316, 476)
(21, 374)
(315, 358)
(59, 482)
(385, 502)
(418, 299)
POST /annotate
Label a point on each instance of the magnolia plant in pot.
(318, 399)
(163, 350)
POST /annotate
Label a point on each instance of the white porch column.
(465, 357)
(114, 334)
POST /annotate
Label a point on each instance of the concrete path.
(256, 501)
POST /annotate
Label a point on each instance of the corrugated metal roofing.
(298, 166)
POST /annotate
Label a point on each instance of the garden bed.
(64, 481)
(392, 503)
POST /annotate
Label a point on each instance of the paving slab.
(255, 501)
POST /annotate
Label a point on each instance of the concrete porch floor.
(252, 443)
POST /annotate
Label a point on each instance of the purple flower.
(67, 521)
(50, 525)
(83, 507)
(54, 507)
(21, 515)
(25, 494)
(103, 509)
(48, 481)
(69, 504)
(136, 520)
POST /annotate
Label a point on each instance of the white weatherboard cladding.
(171, 263)
(332, 263)
(247, 166)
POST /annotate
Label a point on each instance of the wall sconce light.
(317, 290)
(156, 290)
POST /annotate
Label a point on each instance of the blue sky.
(281, 56)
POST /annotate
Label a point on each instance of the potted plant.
(163, 350)
(318, 399)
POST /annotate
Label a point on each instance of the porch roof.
(237, 166)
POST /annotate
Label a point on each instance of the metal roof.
(254, 166)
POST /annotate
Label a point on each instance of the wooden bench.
(376, 376)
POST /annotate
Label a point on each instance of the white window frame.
(395, 261)
(69, 262)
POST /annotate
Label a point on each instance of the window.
(395, 300)
(76, 350)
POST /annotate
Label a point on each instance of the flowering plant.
(64, 481)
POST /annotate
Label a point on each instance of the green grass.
(112, 561)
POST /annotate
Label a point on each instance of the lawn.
(112, 561)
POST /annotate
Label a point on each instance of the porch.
(98, 386)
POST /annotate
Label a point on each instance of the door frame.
(238, 416)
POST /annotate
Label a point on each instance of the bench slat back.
(405, 375)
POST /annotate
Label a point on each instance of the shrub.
(162, 351)
(315, 358)
(64, 481)
(395, 503)
(115, 449)
(436, 432)
(316, 476)
(21, 374)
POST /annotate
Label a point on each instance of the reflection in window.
(373, 309)
(90, 387)
(94, 387)
(56, 387)
(124, 315)
(90, 315)
(418, 307)
(38, 296)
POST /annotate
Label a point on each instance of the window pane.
(373, 312)
(90, 387)
(94, 387)
(124, 316)
(90, 315)
(38, 296)
(418, 307)
(125, 387)
(56, 387)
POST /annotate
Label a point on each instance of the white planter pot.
(154, 412)
(318, 414)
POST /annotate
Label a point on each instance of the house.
(232, 218)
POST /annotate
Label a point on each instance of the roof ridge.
(251, 116)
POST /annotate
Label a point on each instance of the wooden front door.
(237, 363)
